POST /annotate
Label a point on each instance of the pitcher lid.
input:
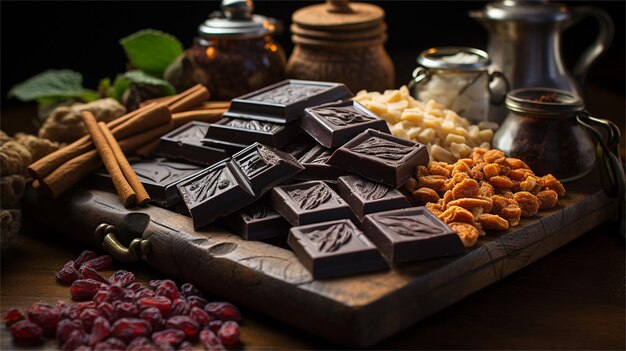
(236, 21)
(454, 58)
(527, 10)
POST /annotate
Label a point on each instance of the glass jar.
(550, 131)
(458, 78)
(235, 51)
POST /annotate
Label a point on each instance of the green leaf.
(53, 85)
(123, 82)
(151, 51)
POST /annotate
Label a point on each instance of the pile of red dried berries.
(122, 314)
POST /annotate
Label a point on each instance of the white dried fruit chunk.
(64, 124)
(14, 158)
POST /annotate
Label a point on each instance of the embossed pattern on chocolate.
(411, 234)
(332, 238)
(163, 171)
(333, 249)
(383, 149)
(311, 198)
(371, 190)
(213, 183)
(252, 125)
(185, 143)
(256, 160)
(192, 134)
(365, 197)
(258, 221)
(287, 93)
(341, 116)
(315, 166)
(255, 211)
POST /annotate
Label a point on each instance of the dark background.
(83, 36)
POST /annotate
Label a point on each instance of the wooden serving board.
(357, 311)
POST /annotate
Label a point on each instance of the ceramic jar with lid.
(550, 130)
(341, 42)
(235, 52)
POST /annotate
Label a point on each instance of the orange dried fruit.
(467, 233)
(466, 188)
(425, 195)
(492, 222)
(547, 198)
(457, 214)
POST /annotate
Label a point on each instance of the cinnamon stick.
(208, 116)
(74, 170)
(194, 96)
(145, 117)
(209, 105)
(124, 190)
(129, 173)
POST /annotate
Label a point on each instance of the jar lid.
(523, 10)
(236, 21)
(339, 15)
(544, 101)
(454, 58)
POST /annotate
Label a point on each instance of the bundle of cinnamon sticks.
(137, 131)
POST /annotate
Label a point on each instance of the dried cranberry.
(13, 315)
(83, 348)
(185, 346)
(179, 307)
(154, 283)
(163, 347)
(125, 309)
(75, 339)
(184, 323)
(140, 294)
(88, 316)
(87, 272)
(201, 317)
(160, 302)
(83, 289)
(223, 311)
(99, 263)
(210, 341)
(84, 257)
(229, 333)
(215, 325)
(189, 289)
(153, 316)
(100, 296)
(114, 293)
(168, 289)
(135, 286)
(196, 301)
(130, 328)
(26, 332)
(100, 330)
(169, 336)
(65, 327)
(122, 278)
(105, 310)
(67, 274)
(44, 315)
(114, 344)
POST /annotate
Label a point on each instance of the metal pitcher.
(525, 42)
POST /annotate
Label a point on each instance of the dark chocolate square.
(185, 142)
(316, 166)
(238, 131)
(258, 221)
(380, 157)
(365, 197)
(285, 101)
(159, 177)
(335, 123)
(411, 234)
(334, 249)
(309, 202)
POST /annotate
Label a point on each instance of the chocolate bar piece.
(333, 249)
(411, 234)
(365, 197)
(285, 101)
(316, 166)
(233, 184)
(185, 143)
(258, 221)
(335, 123)
(309, 202)
(244, 132)
(159, 176)
(380, 157)
(300, 146)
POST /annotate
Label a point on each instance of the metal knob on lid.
(236, 21)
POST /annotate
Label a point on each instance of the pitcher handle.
(599, 46)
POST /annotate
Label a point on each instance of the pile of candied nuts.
(119, 313)
(486, 191)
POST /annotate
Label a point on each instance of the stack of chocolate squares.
(333, 186)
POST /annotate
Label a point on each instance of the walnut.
(491, 170)
(470, 203)
(38, 147)
(438, 168)
(14, 158)
(434, 208)
(11, 189)
(494, 156)
(466, 188)
(528, 203)
(426, 195)
(461, 167)
(485, 190)
(507, 209)
(492, 222)
(4, 138)
(547, 198)
(550, 182)
(501, 182)
(434, 182)
(9, 226)
(467, 233)
(64, 124)
(457, 214)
